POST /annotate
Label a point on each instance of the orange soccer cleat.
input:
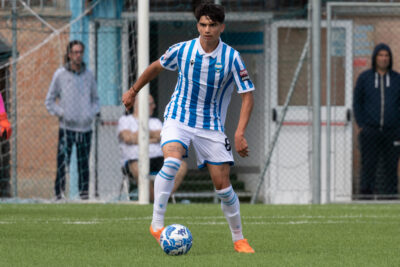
(242, 246)
(156, 234)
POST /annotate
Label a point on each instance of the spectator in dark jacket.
(377, 113)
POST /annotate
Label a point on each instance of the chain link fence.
(271, 45)
(168, 28)
(375, 133)
(29, 167)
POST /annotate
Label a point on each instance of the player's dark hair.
(69, 48)
(212, 11)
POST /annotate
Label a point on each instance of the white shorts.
(211, 146)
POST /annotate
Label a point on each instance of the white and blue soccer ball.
(176, 240)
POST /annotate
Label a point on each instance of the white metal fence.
(271, 48)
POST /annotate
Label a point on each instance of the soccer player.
(207, 71)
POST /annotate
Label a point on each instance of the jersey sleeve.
(241, 76)
(169, 60)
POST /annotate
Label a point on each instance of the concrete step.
(206, 185)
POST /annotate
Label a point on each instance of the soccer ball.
(176, 240)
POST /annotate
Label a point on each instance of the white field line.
(300, 219)
(246, 223)
(81, 222)
(279, 223)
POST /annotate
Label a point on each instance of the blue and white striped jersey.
(205, 83)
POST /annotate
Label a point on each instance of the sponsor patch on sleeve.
(244, 75)
(165, 56)
(167, 53)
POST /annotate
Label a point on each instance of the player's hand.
(241, 145)
(5, 126)
(128, 98)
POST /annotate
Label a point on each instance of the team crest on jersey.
(244, 75)
(218, 67)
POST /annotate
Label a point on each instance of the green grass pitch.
(118, 235)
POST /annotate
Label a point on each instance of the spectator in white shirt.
(128, 139)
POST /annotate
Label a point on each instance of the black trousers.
(378, 146)
(66, 139)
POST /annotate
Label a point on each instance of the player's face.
(209, 30)
(76, 54)
(382, 60)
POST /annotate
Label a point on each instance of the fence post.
(143, 62)
(14, 98)
(316, 86)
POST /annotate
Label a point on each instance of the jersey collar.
(213, 54)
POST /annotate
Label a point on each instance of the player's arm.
(148, 75)
(128, 137)
(240, 141)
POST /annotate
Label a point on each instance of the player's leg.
(164, 182)
(229, 204)
(155, 166)
(179, 176)
(175, 140)
(229, 200)
(214, 151)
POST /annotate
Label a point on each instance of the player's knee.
(220, 184)
(228, 199)
(173, 149)
(170, 168)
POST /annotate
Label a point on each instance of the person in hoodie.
(377, 113)
(73, 98)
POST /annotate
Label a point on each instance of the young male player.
(207, 71)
